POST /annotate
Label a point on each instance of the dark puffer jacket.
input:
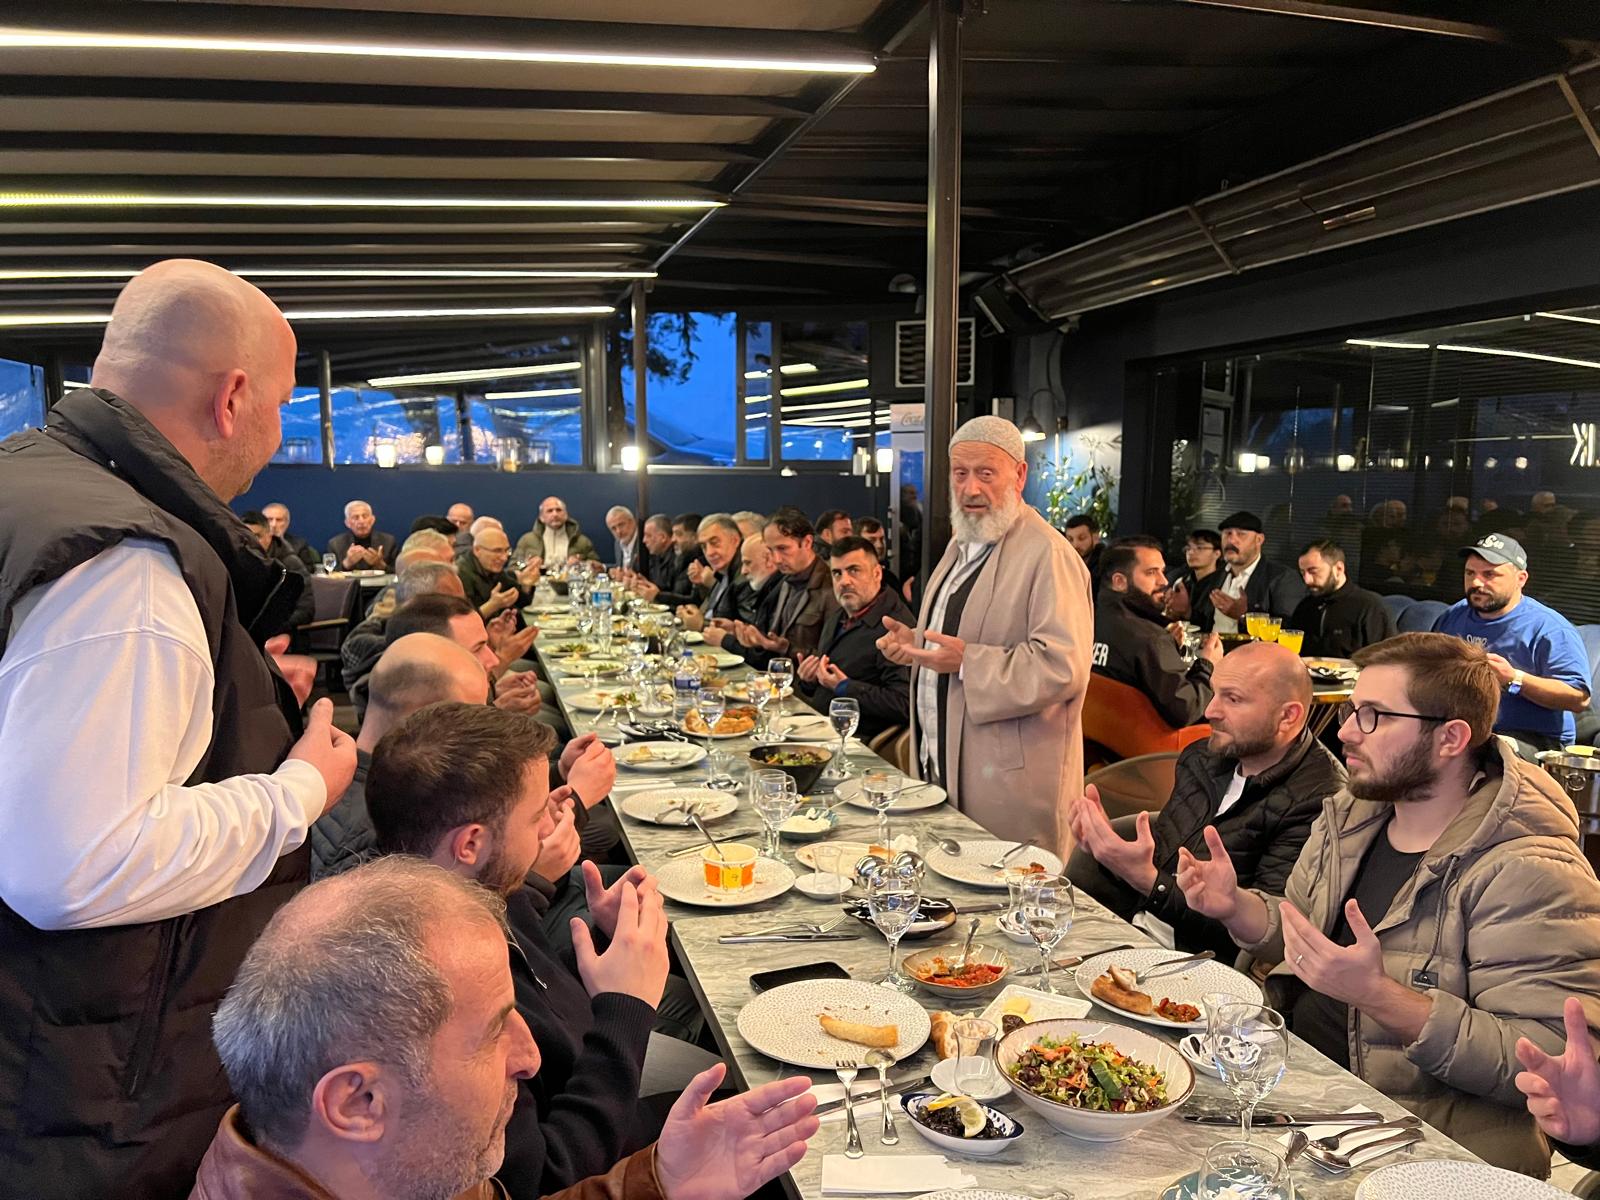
(1263, 832)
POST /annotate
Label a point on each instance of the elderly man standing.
(624, 527)
(1000, 656)
(277, 516)
(154, 800)
(555, 539)
(362, 547)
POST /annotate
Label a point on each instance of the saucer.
(809, 885)
(944, 1078)
(1015, 932)
(1189, 1047)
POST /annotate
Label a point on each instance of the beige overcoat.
(1014, 715)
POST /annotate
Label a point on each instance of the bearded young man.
(1132, 642)
(1441, 909)
(1000, 654)
(1337, 616)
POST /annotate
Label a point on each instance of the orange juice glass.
(1292, 639)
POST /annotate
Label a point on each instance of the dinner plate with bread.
(1167, 1001)
(818, 1023)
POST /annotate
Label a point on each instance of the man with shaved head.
(490, 586)
(1260, 780)
(555, 537)
(462, 517)
(157, 779)
(362, 546)
(365, 643)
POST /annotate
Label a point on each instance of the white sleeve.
(105, 710)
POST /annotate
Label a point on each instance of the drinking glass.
(1250, 1046)
(1048, 906)
(972, 1068)
(330, 563)
(781, 671)
(1211, 1006)
(830, 869)
(1243, 1171)
(893, 902)
(1273, 625)
(1293, 639)
(845, 713)
(879, 787)
(1255, 624)
(775, 797)
(1015, 877)
(759, 689)
(710, 704)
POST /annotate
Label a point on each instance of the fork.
(810, 928)
(1007, 856)
(1340, 1164)
(846, 1070)
(1331, 1142)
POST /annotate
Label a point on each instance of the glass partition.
(21, 397)
(826, 409)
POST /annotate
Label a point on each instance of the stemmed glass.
(879, 787)
(781, 671)
(1250, 1045)
(760, 692)
(1048, 906)
(775, 797)
(892, 902)
(329, 563)
(710, 704)
(845, 713)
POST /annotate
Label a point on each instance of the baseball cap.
(1498, 548)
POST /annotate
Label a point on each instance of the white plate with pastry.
(1108, 980)
(819, 1023)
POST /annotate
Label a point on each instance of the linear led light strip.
(30, 320)
(63, 199)
(1375, 344)
(1528, 354)
(339, 273)
(536, 394)
(1554, 316)
(49, 39)
(817, 389)
(470, 376)
(799, 368)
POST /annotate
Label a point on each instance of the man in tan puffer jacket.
(1441, 908)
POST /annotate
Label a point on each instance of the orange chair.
(1122, 720)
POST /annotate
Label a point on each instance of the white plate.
(968, 866)
(925, 796)
(782, 1023)
(648, 806)
(692, 637)
(561, 647)
(808, 727)
(1042, 1006)
(854, 852)
(944, 1078)
(718, 737)
(813, 886)
(600, 700)
(669, 756)
(599, 667)
(968, 1194)
(1187, 986)
(684, 880)
(1452, 1179)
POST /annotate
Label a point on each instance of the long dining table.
(1044, 1163)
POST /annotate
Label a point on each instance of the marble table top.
(1044, 1164)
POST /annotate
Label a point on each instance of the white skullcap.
(996, 431)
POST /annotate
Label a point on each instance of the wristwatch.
(1515, 686)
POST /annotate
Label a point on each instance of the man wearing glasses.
(1535, 653)
(1441, 908)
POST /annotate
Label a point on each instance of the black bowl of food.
(803, 764)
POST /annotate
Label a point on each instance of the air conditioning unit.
(910, 358)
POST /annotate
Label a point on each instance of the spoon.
(705, 833)
(883, 1060)
(972, 932)
(1298, 1141)
(949, 845)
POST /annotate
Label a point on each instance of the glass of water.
(1250, 1045)
(879, 787)
(845, 713)
(1243, 1171)
(330, 563)
(775, 797)
(781, 672)
(1048, 907)
(759, 689)
(892, 902)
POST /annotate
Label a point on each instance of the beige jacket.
(1014, 716)
(1501, 921)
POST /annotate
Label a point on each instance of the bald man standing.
(157, 780)
(1260, 780)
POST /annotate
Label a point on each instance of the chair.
(898, 751)
(1397, 605)
(1123, 720)
(1136, 785)
(335, 605)
(1420, 616)
(885, 738)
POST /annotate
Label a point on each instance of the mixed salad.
(1089, 1075)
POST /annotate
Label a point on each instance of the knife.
(744, 939)
(1074, 961)
(1287, 1120)
(895, 1089)
(699, 846)
(979, 908)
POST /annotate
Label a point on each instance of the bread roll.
(944, 1034)
(879, 1036)
(1108, 989)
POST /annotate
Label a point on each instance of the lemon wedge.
(973, 1118)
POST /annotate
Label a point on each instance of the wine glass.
(1243, 1171)
(775, 797)
(330, 563)
(845, 713)
(892, 902)
(1048, 906)
(759, 688)
(710, 704)
(879, 787)
(782, 672)
(1250, 1046)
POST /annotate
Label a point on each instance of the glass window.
(758, 391)
(532, 422)
(390, 428)
(302, 428)
(21, 397)
(825, 406)
(691, 387)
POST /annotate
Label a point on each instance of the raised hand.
(604, 901)
(635, 964)
(1564, 1091)
(1347, 973)
(806, 669)
(593, 772)
(500, 599)
(897, 642)
(727, 1150)
(1211, 886)
(1133, 862)
(942, 652)
(560, 852)
(327, 748)
(828, 675)
(518, 691)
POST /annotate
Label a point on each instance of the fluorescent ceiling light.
(469, 376)
(822, 404)
(800, 368)
(50, 39)
(380, 314)
(1569, 317)
(816, 389)
(63, 199)
(1527, 354)
(337, 273)
(758, 399)
(1377, 344)
(538, 394)
(25, 320)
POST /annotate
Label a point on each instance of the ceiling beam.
(1499, 21)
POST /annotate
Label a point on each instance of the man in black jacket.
(362, 547)
(848, 661)
(1132, 643)
(1251, 583)
(664, 577)
(805, 598)
(1260, 780)
(467, 787)
(277, 515)
(759, 582)
(1337, 616)
(276, 549)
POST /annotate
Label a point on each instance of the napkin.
(1354, 1139)
(891, 1175)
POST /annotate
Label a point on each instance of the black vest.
(109, 1084)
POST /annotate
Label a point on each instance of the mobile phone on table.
(763, 981)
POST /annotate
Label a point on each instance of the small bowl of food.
(936, 971)
(803, 764)
(1094, 1080)
(961, 1125)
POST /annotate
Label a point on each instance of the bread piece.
(944, 1034)
(1110, 990)
(880, 1036)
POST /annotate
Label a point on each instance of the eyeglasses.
(1367, 715)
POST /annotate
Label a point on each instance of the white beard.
(990, 527)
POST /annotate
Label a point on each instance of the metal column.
(325, 387)
(641, 419)
(944, 266)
